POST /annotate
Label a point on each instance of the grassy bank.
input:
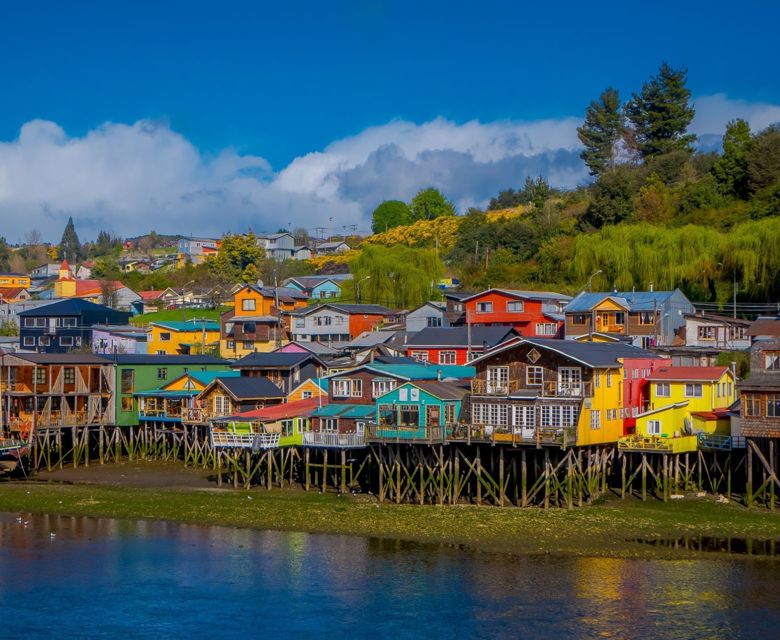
(178, 315)
(606, 529)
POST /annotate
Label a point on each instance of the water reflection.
(107, 578)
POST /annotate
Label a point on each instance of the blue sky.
(250, 90)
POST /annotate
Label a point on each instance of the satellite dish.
(688, 426)
(260, 283)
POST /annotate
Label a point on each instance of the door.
(569, 381)
(497, 379)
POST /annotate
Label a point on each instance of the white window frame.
(663, 390)
(694, 390)
(595, 419)
(515, 306)
(342, 388)
(654, 427)
(248, 304)
(447, 357)
(530, 376)
(546, 329)
(66, 341)
(484, 307)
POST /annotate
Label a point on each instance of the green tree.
(70, 247)
(731, 169)
(429, 204)
(5, 255)
(612, 197)
(600, 132)
(397, 276)
(661, 113)
(236, 253)
(389, 214)
(106, 268)
(763, 160)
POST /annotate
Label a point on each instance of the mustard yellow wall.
(173, 346)
(181, 384)
(263, 303)
(714, 396)
(14, 281)
(605, 397)
(672, 421)
(608, 305)
(594, 338)
(64, 288)
(238, 351)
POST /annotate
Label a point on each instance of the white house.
(716, 331)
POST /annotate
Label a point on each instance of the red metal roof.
(288, 410)
(150, 295)
(688, 373)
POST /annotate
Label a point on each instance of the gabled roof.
(70, 307)
(275, 360)
(417, 371)
(150, 295)
(630, 300)
(714, 317)
(370, 339)
(686, 374)
(247, 387)
(322, 383)
(522, 295)
(11, 292)
(765, 327)
(481, 335)
(590, 354)
(317, 348)
(350, 309)
(309, 282)
(440, 390)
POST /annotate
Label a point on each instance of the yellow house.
(14, 280)
(684, 402)
(601, 417)
(254, 323)
(190, 337)
(309, 388)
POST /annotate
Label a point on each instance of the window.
(221, 405)
(579, 318)
(357, 388)
(409, 415)
(68, 322)
(342, 388)
(534, 376)
(546, 329)
(29, 322)
(231, 344)
(646, 342)
(165, 336)
(612, 414)
(706, 333)
(69, 375)
(595, 419)
(306, 395)
(514, 306)
(484, 307)
(44, 341)
(654, 427)
(329, 425)
(40, 322)
(248, 304)
(663, 390)
(772, 360)
(433, 321)
(339, 320)
(523, 416)
(596, 379)
(752, 405)
(29, 341)
(498, 379)
(693, 390)
(570, 381)
(773, 406)
(323, 321)
(300, 323)
(568, 416)
(646, 317)
(738, 333)
(162, 373)
(66, 341)
(40, 375)
(381, 386)
(287, 427)
(419, 355)
(248, 345)
(446, 357)
(127, 380)
(609, 379)
(127, 403)
(478, 413)
(620, 318)
(449, 413)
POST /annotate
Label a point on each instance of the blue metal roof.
(632, 300)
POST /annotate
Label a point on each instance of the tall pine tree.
(70, 247)
(661, 112)
(600, 132)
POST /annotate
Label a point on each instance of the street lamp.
(357, 288)
(590, 279)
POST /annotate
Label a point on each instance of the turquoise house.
(318, 287)
(422, 411)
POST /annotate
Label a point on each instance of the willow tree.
(398, 276)
(701, 261)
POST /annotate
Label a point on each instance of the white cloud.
(133, 178)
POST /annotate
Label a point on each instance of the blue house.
(318, 287)
(422, 411)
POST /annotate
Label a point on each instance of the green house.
(136, 373)
(422, 411)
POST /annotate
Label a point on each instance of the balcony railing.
(15, 387)
(264, 441)
(563, 436)
(334, 440)
(548, 389)
(716, 442)
(664, 445)
(402, 434)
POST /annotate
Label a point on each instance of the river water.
(92, 578)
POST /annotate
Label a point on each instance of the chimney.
(651, 287)
(438, 375)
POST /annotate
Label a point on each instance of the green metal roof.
(425, 372)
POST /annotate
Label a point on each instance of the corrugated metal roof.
(345, 411)
(188, 325)
(631, 300)
(274, 359)
(251, 387)
(688, 373)
(459, 336)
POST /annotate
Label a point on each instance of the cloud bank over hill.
(130, 179)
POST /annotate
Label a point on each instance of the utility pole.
(735, 293)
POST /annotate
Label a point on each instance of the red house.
(533, 314)
(456, 345)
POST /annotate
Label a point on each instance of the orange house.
(251, 300)
(531, 313)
